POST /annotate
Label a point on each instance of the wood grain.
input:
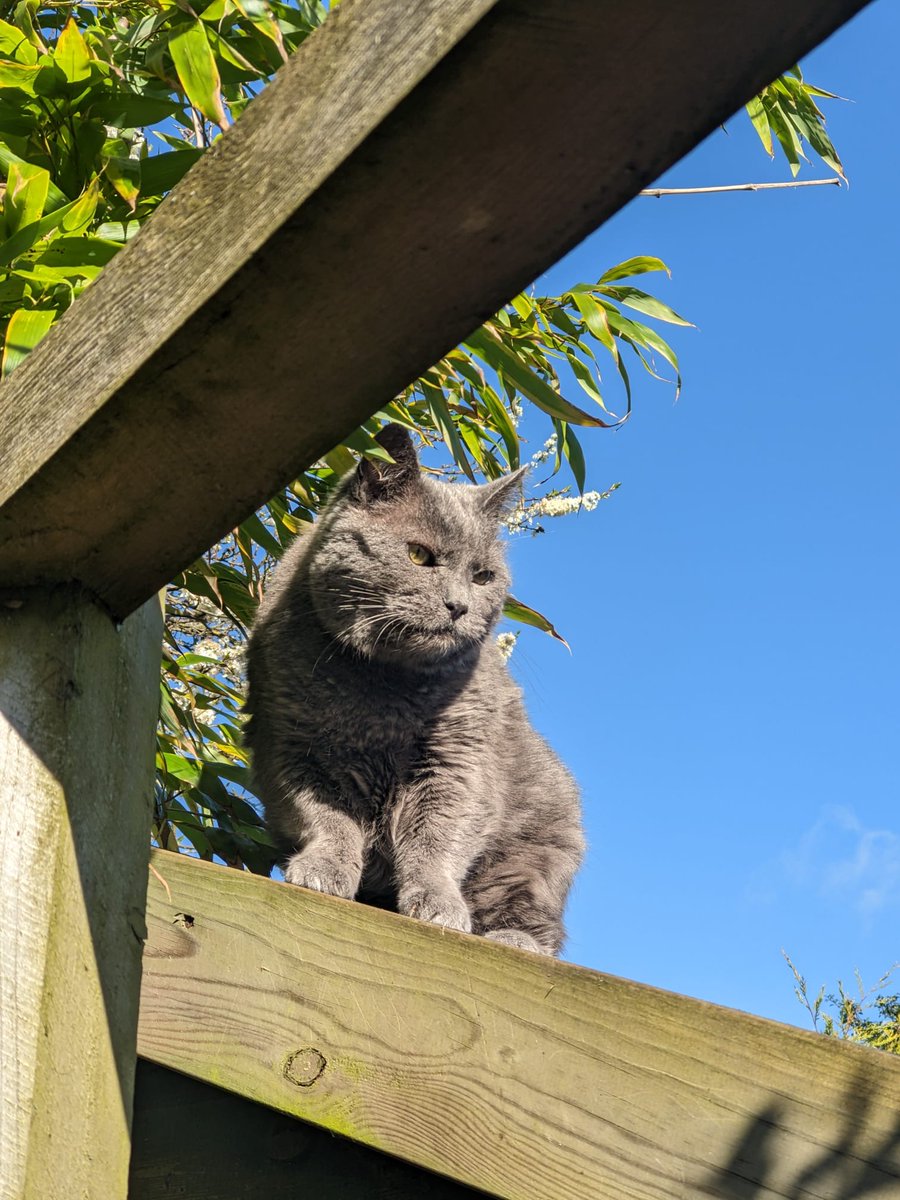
(194, 1140)
(78, 702)
(519, 1075)
(415, 165)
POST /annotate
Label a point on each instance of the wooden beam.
(504, 1070)
(78, 702)
(191, 1139)
(415, 165)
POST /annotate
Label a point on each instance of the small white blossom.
(549, 448)
(506, 643)
(208, 647)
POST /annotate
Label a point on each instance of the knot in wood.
(304, 1067)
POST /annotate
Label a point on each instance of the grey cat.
(391, 748)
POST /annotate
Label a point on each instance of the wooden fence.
(413, 166)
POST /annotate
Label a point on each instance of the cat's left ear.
(378, 480)
(501, 495)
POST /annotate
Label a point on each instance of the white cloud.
(838, 858)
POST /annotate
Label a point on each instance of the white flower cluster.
(560, 504)
(506, 643)
(554, 504)
(549, 448)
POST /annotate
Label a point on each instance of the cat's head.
(409, 570)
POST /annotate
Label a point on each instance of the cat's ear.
(376, 480)
(501, 495)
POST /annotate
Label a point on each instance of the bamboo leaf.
(634, 266)
(757, 114)
(633, 297)
(25, 329)
(596, 320)
(197, 72)
(71, 54)
(26, 195)
(496, 354)
(55, 198)
(448, 431)
(517, 611)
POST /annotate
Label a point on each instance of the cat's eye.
(420, 555)
(482, 577)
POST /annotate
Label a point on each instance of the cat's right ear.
(378, 480)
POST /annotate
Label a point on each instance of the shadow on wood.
(844, 1171)
(198, 1141)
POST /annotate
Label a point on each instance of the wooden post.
(78, 700)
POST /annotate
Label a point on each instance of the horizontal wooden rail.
(506, 1071)
(414, 165)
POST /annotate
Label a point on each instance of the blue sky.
(731, 704)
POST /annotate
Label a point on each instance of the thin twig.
(162, 881)
(739, 187)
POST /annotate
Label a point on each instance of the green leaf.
(118, 231)
(448, 431)
(185, 769)
(487, 346)
(160, 172)
(517, 611)
(255, 529)
(757, 113)
(126, 111)
(25, 329)
(25, 238)
(634, 266)
(55, 198)
(633, 297)
(585, 378)
(503, 422)
(77, 216)
(570, 447)
(14, 44)
(122, 171)
(93, 252)
(26, 194)
(596, 320)
(363, 443)
(71, 53)
(198, 74)
(17, 75)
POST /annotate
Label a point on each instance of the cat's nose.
(456, 608)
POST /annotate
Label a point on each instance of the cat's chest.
(378, 744)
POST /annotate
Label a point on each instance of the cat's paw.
(322, 875)
(518, 938)
(443, 907)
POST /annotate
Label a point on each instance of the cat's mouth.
(428, 642)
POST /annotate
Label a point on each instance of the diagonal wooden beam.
(507, 1071)
(414, 165)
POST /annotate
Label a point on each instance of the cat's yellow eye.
(420, 555)
(482, 577)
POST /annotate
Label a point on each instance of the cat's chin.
(424, 649)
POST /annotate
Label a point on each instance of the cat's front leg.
(331, 846)
(433, 847)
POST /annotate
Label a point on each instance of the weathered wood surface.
(198, 1141)
(415, 165)
(78, 701)
(506, 1071)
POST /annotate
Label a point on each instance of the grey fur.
(390, 745)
